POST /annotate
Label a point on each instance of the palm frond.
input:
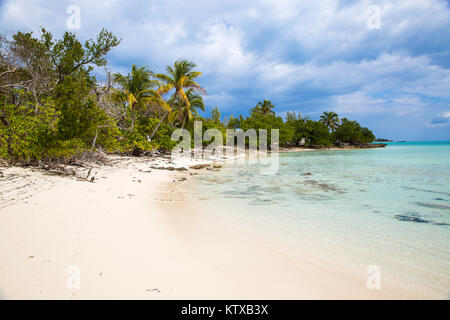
(165, 88)
(183, 97)
(164, 78)
(194, 85)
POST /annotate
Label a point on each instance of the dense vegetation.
(52, 107)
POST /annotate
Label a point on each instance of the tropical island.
(382, 140)
(53, 107)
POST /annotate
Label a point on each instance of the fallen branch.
(200, 166)
(64, 171)
(169, 168)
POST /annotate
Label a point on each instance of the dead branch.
(8, 71)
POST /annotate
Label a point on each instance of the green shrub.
(351, 132)
(28, 132)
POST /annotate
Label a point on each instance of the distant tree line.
(52, 107)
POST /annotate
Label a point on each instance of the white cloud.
(299, 52)
(440, 120)
(362, 103)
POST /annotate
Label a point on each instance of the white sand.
(134, 234)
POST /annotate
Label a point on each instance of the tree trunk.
(7, 124)
(95, 140)
(132, 119)
(157, 126)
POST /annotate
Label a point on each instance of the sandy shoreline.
(136, 234)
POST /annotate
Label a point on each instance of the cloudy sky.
(383, 63)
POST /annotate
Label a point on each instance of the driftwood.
(91, 179)
(58, 169)
(200, 166)
(169, 168)
(62, 170)
(155, 290)
(3, 163)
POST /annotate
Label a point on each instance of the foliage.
(317, 134)
(268, 121)
(352, 132)
(184, 114)
(182, 77)
(330, 119)
(48, 109)
(53, 108)
(30, 134)
(136, 89)
(263, 108)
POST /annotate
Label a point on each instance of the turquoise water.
(388, 207)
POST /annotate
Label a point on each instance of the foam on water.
(389, 207)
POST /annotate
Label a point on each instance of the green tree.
(44, 69)
(25, 63)
(263, 108)
(215, 115)
(259, 121)
(297, 124)
(137, 89)
(184, 113)
(351, 132)
(330, 119)
(72, 63)
(179, 78)
(318, 134)
(69, 56)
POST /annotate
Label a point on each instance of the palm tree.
(264, 108)
(157, 100)
(330, 119)
(136, 89)
(183, 112)
(181, 77)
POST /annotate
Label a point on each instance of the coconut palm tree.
(157, 100)
(137, 89)
(330, 119)
(184, 113)
(180, 77)
(264, 108)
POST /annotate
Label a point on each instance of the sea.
(384, 207)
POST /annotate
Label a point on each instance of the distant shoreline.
(410, 141)
(371, 146)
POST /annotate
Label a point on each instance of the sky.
(383, 63)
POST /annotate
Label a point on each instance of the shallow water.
(388, 207)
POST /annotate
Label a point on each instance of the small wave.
(427, 190)
(432, 205)
(415, 218)
(323, 186)
(402, 217)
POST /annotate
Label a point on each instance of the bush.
(162, 139)
(351, 132)
(318, 134)
(28, 132)
(257, 121)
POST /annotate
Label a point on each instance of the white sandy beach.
(135, 234)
